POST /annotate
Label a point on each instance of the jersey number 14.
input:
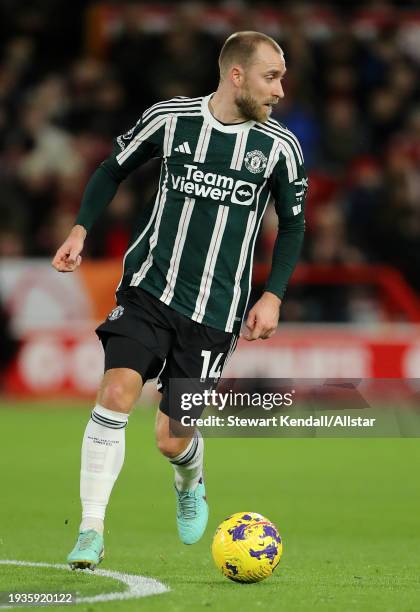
(215, 368)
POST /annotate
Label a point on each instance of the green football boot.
(192, 513)
(88, 552)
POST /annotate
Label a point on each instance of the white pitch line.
(138, 586)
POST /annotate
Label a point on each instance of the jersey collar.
(229, 129)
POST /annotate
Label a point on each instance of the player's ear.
(237, 75)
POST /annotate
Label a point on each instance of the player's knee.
(115, 396)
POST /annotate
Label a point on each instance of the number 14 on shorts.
(210, 370)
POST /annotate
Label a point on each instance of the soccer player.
(187, 272)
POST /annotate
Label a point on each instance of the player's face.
(262, 84)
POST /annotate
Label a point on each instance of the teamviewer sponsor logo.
(243, 193)
(213, 186)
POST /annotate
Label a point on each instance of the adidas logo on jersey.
(183, 148)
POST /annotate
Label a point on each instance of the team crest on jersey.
(116, 313)
(255, 161)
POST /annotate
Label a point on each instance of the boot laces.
(187, 504)
(86, 540)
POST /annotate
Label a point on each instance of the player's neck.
(224, 109)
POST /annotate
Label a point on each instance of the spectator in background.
(363, 199)
(343, 135)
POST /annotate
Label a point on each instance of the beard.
(251, 109)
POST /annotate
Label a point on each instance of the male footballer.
(187, 272)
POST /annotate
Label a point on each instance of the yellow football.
(247, 547)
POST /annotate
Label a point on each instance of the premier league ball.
(247, 547)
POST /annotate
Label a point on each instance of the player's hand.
(263, 318)
(68, 257)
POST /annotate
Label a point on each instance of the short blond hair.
(240, 48)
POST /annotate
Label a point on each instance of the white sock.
(103, 451)
(188, 465)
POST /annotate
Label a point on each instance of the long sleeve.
(99, 192)
(289, 191)
(130, 150)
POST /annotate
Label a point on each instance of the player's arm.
(130, 150)
(289, 197)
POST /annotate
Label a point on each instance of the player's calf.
(186, 456)
(103, 451)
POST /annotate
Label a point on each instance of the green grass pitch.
(348, 511)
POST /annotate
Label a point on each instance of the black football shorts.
(144, 334)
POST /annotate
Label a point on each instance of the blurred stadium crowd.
(353, 101)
